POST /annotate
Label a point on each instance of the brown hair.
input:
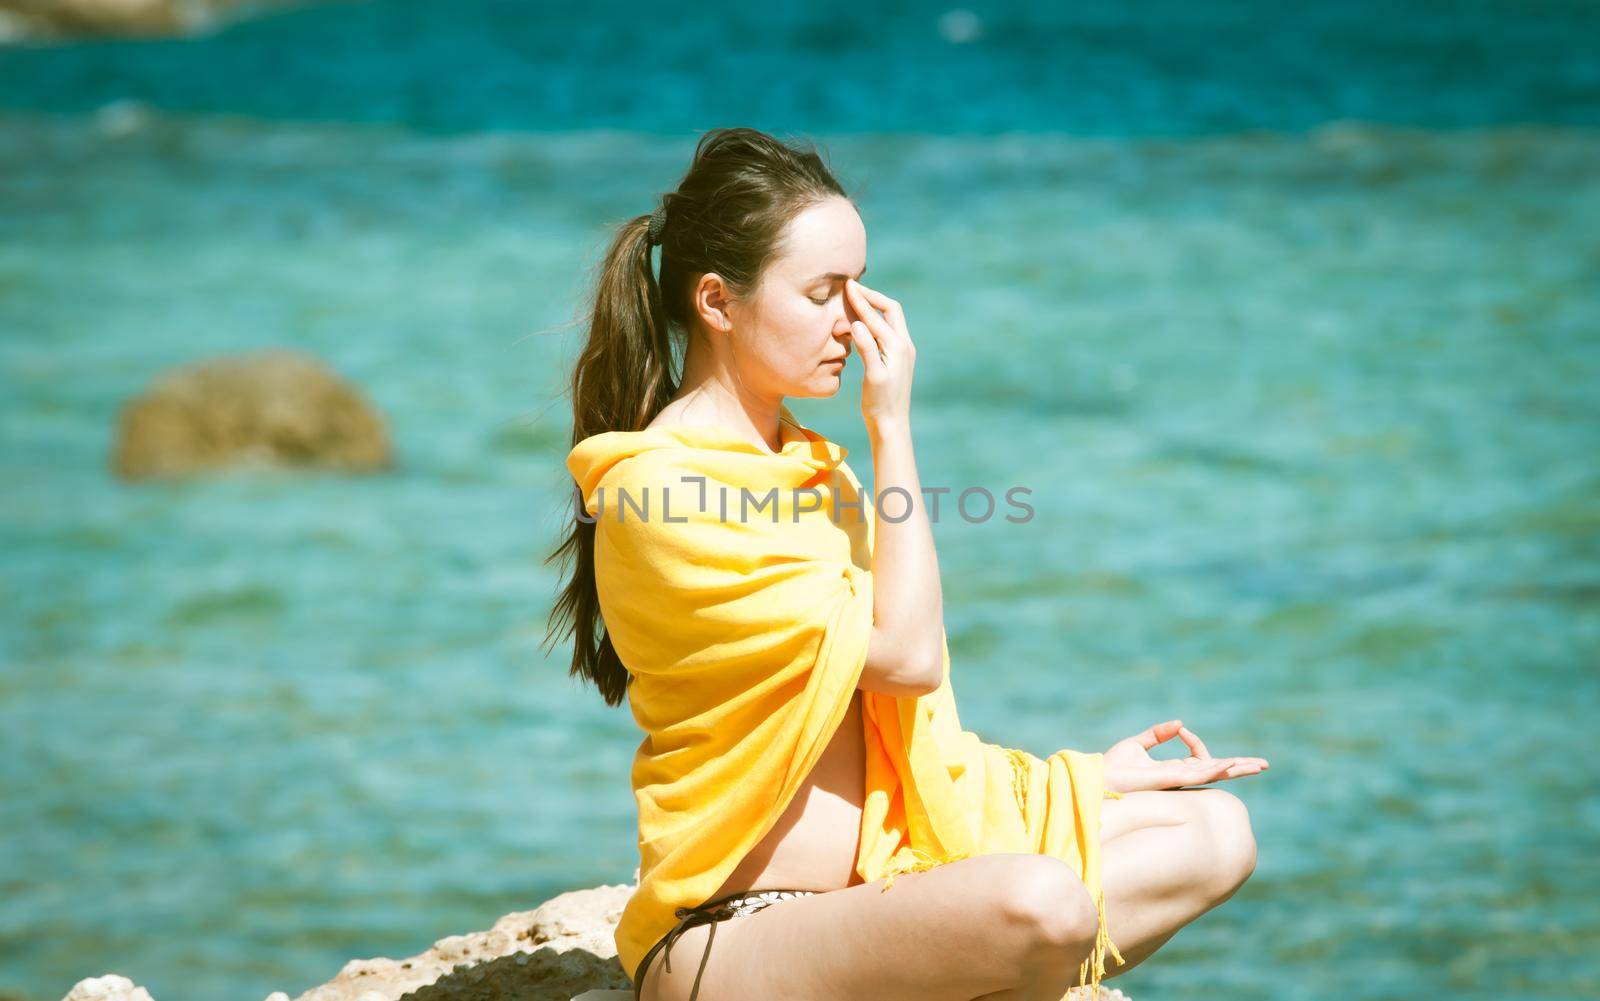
(728, 214)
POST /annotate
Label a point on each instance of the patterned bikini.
(733, 906)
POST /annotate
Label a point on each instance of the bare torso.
(813, 844)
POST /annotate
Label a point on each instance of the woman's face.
(792, 336)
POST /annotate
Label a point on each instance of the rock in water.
(64, 20)
(272, 408)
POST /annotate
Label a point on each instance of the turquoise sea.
(1289, 320)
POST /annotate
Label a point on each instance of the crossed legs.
(1005, 927)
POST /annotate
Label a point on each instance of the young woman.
(761, 258)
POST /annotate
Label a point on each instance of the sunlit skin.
(1000, 927)
(790, 339)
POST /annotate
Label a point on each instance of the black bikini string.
(691, 918)
(710, 913)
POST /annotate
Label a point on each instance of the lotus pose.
(804, 783)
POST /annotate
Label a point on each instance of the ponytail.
(727, 216)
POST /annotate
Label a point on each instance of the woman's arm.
(906, 652)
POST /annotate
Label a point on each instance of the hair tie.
(658, 219)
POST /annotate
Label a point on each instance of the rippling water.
(1310, 424)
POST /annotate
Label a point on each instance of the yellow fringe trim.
(1093, 969)
(1019, 782)
(916, 860)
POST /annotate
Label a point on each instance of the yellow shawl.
(736, 587)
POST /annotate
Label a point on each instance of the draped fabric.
(736, 587)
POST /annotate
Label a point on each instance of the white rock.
(111, 987)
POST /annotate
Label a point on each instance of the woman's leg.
(1167, 857)
(975, 926)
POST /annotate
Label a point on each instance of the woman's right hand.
(887, 356)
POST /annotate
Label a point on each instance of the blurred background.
(1287, 315)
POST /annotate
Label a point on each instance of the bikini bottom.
(732, 906)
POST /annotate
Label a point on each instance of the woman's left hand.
(1129, 766)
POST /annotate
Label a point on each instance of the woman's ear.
(713, 301)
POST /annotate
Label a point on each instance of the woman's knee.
(1045, 904)
(1232, 844)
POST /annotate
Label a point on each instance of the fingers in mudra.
(1132, 767)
